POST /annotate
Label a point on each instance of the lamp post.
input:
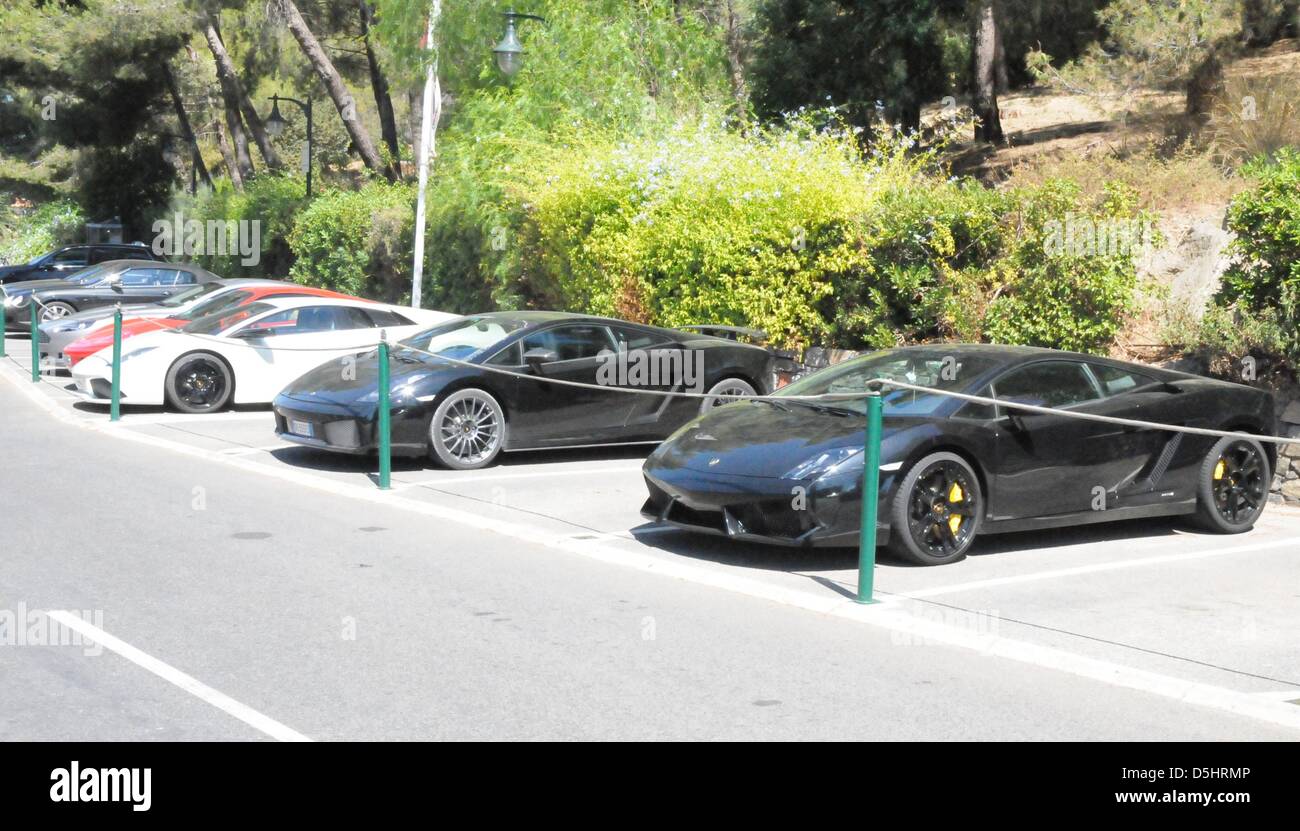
(510, 52)
(275, 124)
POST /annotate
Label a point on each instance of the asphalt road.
(530, 601)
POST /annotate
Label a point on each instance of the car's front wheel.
(935, 512)
(1233, 484)
(199, 383)
(55, 310)
(467, 430)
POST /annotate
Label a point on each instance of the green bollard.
(5, 321)
(384, 427)
(870, 499)
(36, 347)
(115, 404)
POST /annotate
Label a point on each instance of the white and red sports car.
(248, 355)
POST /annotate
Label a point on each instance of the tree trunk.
(735, 39)
(383, 101)
(334, 85)
(1204, 86)
(227, 153)
(985, 98)
(232, 89)
(230, 97)
(197, 158)
(1000, 64)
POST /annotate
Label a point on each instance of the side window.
(510, 356)
(102, 255)
(1046, 384)
(72, 256)
(353, 318)
(384, 318)
(143, 277)
(633, 339)
(179, 278)
(571, 343)
(1114, 380)
(328, 319)
(976, 411)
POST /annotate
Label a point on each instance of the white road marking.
(168, 673)
(453, 479)
(1113, 565)
(248, 451)
(886, 614)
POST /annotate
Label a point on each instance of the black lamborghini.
(465, 415)
(790, 471)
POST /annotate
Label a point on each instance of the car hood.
(349, 379)
(29, 286)
(758, 438)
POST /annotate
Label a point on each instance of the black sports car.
(116, 281)
(791, 472)
(465, 415)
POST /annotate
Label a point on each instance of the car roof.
(1012, 355)
(128, 262)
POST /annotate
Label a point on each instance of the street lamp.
(275, 124)
(510, 52)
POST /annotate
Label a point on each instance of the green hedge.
(358, 242)
(798, 233)
(23, 238)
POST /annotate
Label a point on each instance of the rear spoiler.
(736, 333)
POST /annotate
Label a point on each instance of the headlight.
(70, 325)
(822, 463)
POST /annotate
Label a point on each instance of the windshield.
(90, 275)
(217, 305)
(215, 324)
(464, 339)
(930, 368)
(190, 294)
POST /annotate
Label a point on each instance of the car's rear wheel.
(55, 310)
(727, 390)
(1233, 484)
(467, 430)
(935, 513)
(199, 383)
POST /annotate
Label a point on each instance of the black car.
(465, 415)
(118, 281)
(66, 261)
(790, 472)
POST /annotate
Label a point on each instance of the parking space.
(1152, 596)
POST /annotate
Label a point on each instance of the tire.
(727, 386)
(467, 430)
(1229, 499)
(921, 512)
(55, 310)
(200, 382)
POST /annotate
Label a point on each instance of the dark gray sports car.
(465, 415)
(118, 281)
(790, 472)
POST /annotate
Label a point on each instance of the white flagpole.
(432, 111)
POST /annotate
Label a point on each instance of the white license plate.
(301, 428)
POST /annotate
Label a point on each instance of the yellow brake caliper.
(954, 520)
(1219, 470)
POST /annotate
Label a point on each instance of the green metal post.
(5, 322)
(115, 405)
(36, 347)
(870, 498)
(385, 439)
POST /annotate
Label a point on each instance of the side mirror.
(537, 356)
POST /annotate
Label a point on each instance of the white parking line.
(1114, 565)
(168, 673)
(452, 479)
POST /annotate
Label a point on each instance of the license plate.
(301, 428)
